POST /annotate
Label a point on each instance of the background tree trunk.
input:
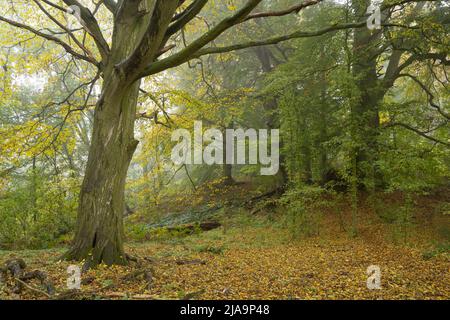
(366, 111)
(268, 63)
(227, 169)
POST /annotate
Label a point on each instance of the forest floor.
(251, 257)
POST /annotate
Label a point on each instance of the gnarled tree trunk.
(138, 35)
(99, 233)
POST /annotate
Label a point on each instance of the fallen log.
(209, 225)
(188, 221)
(274, 193)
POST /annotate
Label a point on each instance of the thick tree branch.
(429, 94)
(276, 40)
(90, 23)
(152, 40)
(394, 74)
(186, 16)
(180, 14)
(294, 9)
(194, 50)
(393, 66)
(111, 5)
(420, 133)
(185, 56)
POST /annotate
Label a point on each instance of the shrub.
(40, 223)
(304, 210)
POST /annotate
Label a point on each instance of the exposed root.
(16, 268)
(27, 286)
(143, 274)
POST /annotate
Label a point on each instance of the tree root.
(16, 267)
(143, 274)
(36, 290)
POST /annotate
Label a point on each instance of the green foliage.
(403, 222)
(304, 209)
(42, 220)
(442, 248)
(311, 88)
(399, 215)
(137, 232)
(140, 232)
(209, 249)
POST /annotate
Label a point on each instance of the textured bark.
(99, 233)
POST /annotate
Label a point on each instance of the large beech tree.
(143, 43)
(399, 52)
